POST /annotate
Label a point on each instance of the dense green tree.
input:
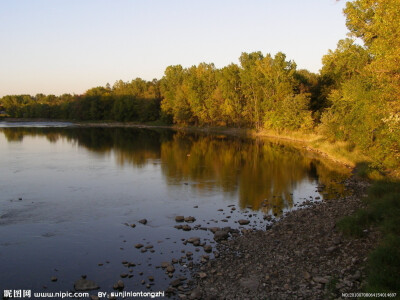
(174, 91)
(366, 99)
(202, 83)
(230, 91)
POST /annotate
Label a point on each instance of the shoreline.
(301, 256)
(307, 141)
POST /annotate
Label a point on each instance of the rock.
(138, 246)
(186, 228)
(214, 229)
(120, 284)
(307, 275)
(249, 283)
(53, 278)
(286, 286)
(85, 285)
(356, 276)
(331, 249)
(123, 275)
(193, 240)
(165, 264)
(244, 222)
(196, 294)
(176, 283)
(151, 278)
(179, 218)
(133, 225)
(170, 269)
(202, 275)
(207, 248)
(221, 235)
(322, 280)
(143, 221)
(190, 219)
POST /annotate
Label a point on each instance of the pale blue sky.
(69, 46)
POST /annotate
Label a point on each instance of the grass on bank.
(383, 211)
(340, 151)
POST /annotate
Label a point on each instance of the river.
(71, 199)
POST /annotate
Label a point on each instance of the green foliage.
(384, 266)
(365, 82)
(292, 114)
(355, 224)
(262, 91)
(383, 211)
(345, 62)
(135, 101)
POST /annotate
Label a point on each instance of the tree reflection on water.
(262, 172)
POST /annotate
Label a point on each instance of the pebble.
(176, 283)
(186, 228)
(207, 248)
(243, 222)
(221, 235)
(120, 284)
(190, 219)
(193, 240)
(170, 269)
(179, 218)
(202, 275)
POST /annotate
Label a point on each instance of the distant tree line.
(138, 100)
(355, 97)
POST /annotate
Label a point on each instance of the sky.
(69, 46)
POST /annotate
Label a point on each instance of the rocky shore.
(303, 256)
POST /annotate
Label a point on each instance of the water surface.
(68, 195)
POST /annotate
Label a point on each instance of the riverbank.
(303, 256)
(338, 152)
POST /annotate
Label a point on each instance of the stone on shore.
(221, 235)
(243, 222)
